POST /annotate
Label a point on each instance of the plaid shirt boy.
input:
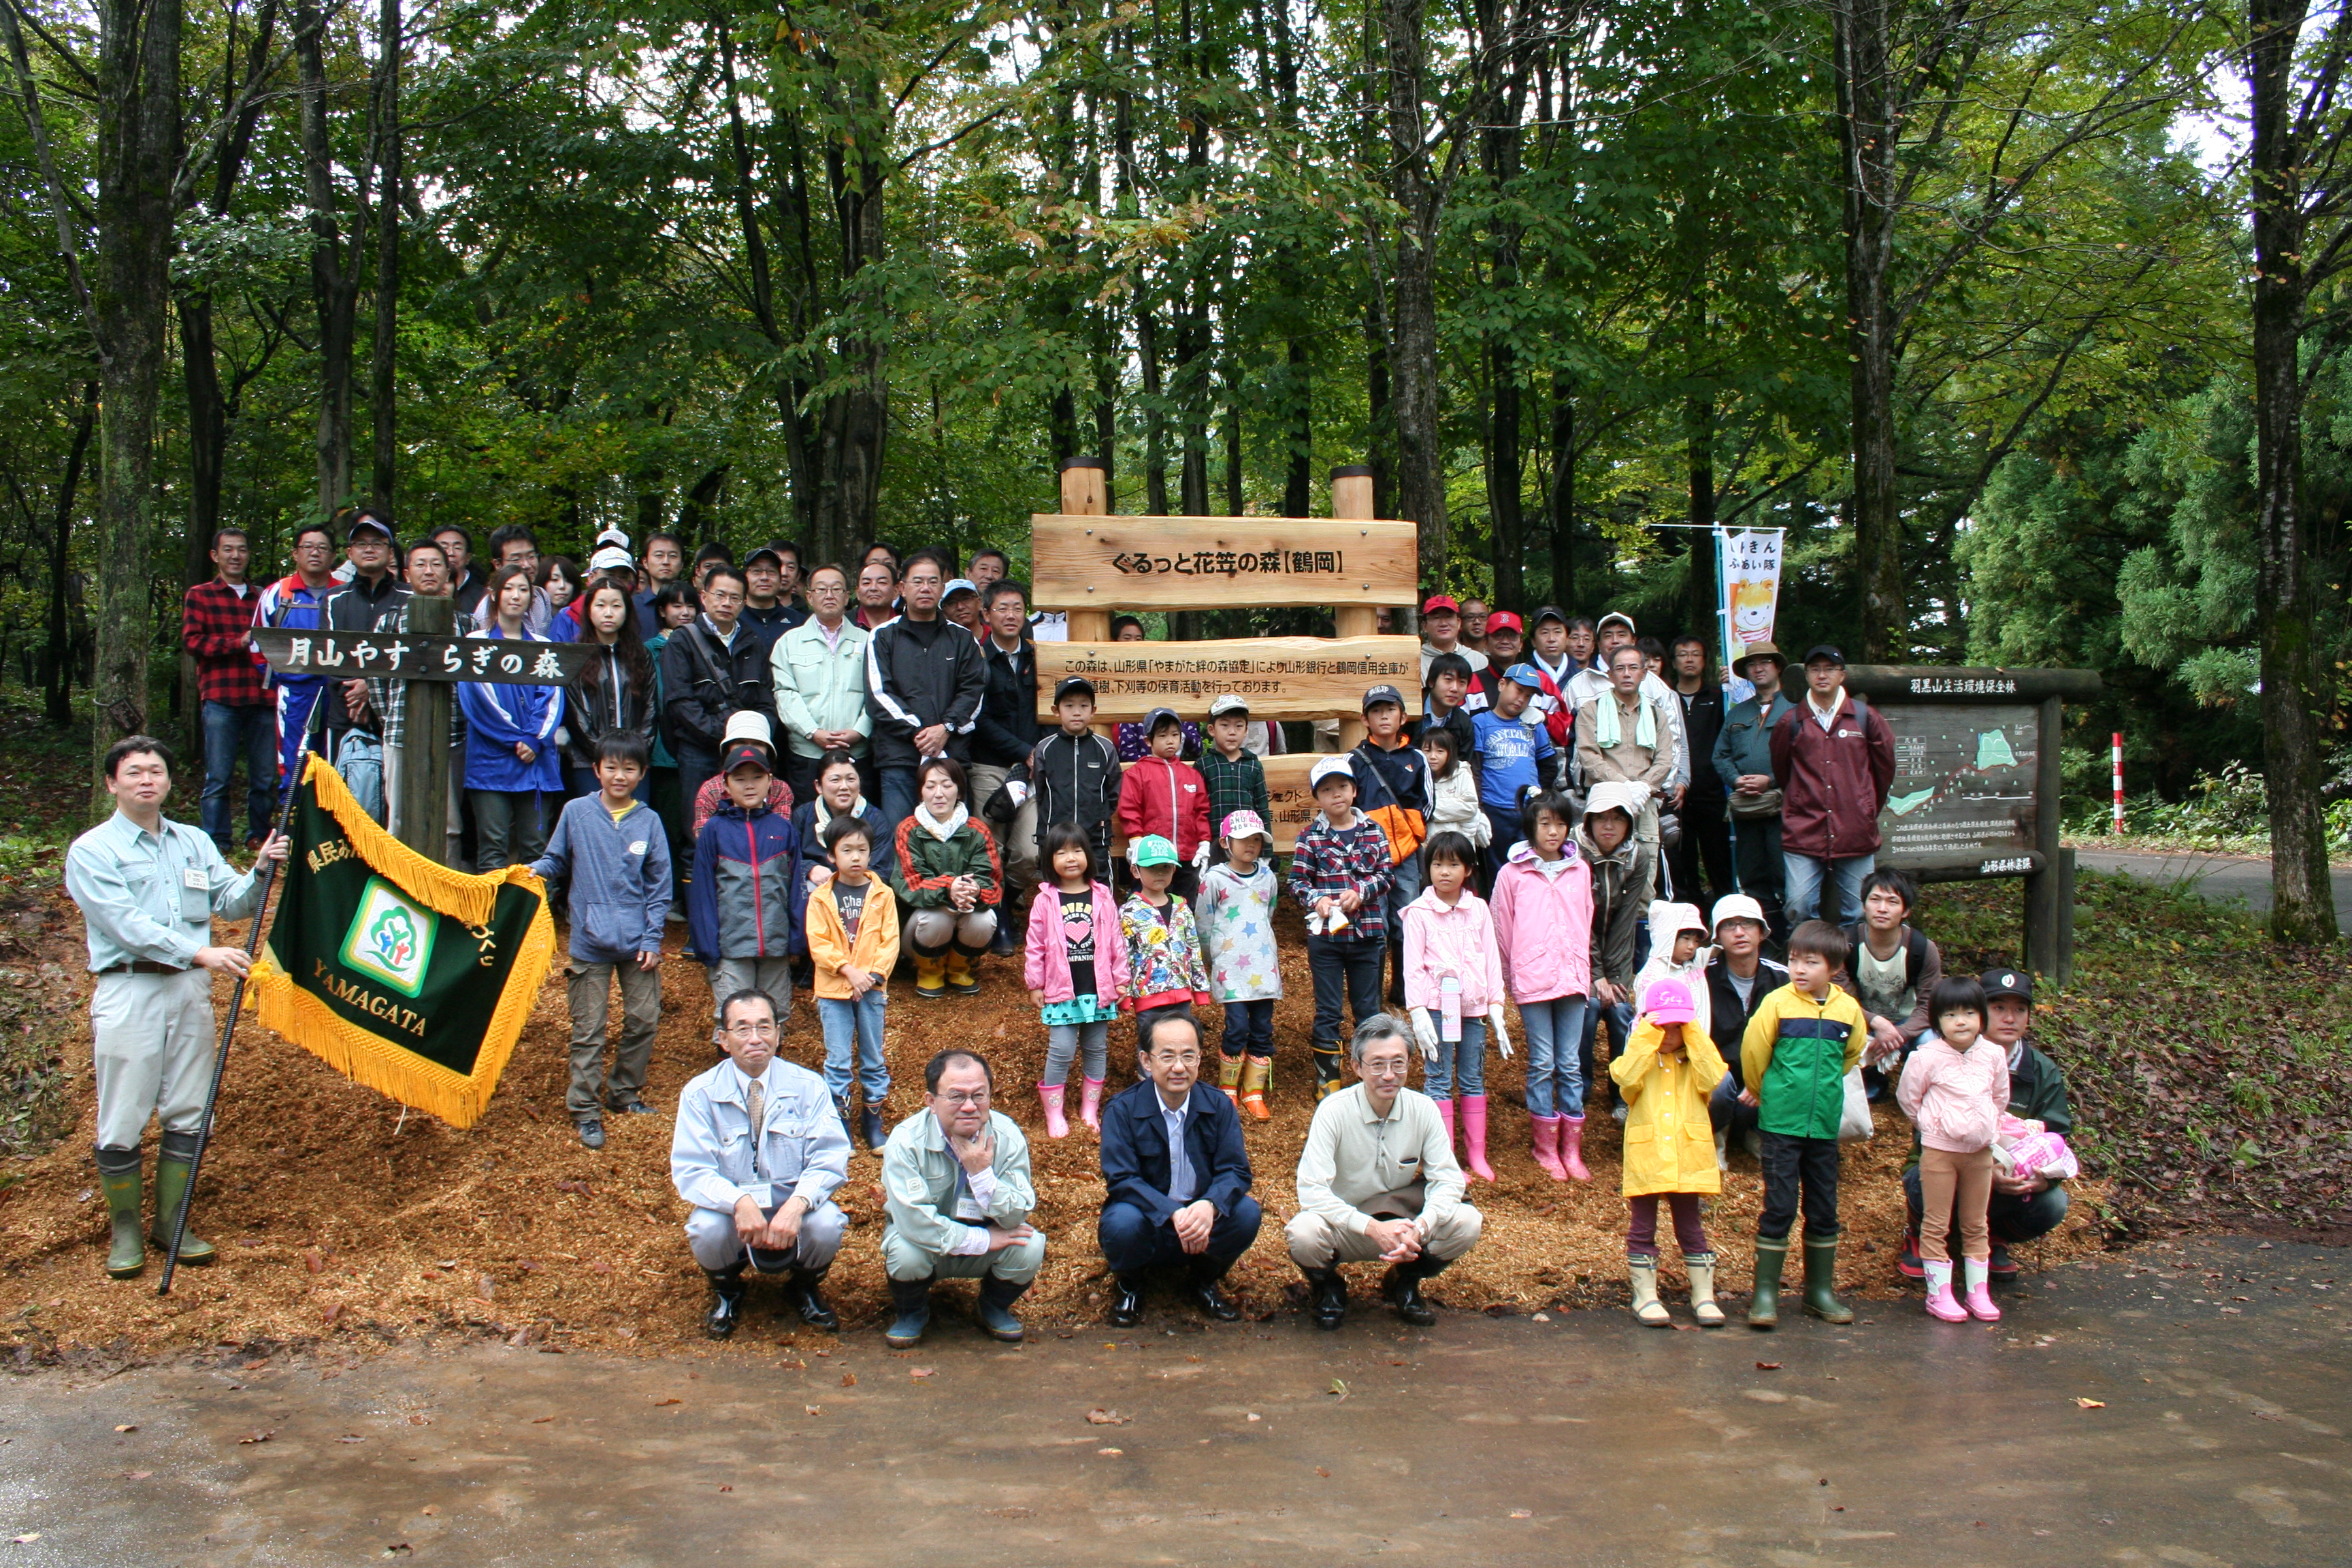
(1330, 860)
(1236, 785)
(216, 622)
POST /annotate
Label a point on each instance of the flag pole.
(237, 997)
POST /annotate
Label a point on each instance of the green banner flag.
(401, 974)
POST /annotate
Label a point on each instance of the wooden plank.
(347, 656)
(1286, 792)
(1219, 562)
(1281, 677)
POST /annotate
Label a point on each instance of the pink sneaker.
(1056, 1124)
(1941, 1305)
(1980, 1304)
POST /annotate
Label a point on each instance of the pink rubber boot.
(1056, 1124)
(1090, 1104)
(1939, 1293)
(1571, 1147)
(1980, 1297)
(1445, 1114)
(1546, 1145)
(1474, 1136)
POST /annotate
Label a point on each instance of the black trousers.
(1343, 972)
(1705, 842)
(1794, 1168)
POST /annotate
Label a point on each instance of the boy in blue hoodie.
(611, 850)
(738, 905)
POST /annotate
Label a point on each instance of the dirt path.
(2219, 1367)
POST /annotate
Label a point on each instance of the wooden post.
(2066, 918)
(425, 741)
(1351, 498)
(1082, 495)
(2048, 907)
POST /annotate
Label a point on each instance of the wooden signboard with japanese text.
(410, 656)
(1219, 562)
(1280, 678)
(1286, 793)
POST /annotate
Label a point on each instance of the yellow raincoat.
(1669, 1141)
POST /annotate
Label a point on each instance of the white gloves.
(1494, 1027)
(1018, 791)
(1200, 857)
(1425, 1029)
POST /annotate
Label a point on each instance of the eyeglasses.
(977, 1096)
(745, 1031)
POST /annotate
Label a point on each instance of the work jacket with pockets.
(740, 904)
(1744, 744)
(1543, 924)
(821, 686)
(1834, 782)
(1135, 1162)
(1170, 798)
(498, 715)
(705, 682)
(1795, 1056)
(1728, 1016)
(919, 674)
(1669, 1139)
(1045, 951)
(919, 1178)
(1622, 881)
(831, 951)
(804, 1147)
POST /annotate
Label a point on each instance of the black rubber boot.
(912, 1298)
(870, 1127)
(726, 1301)
(1328, 1303)
(1327, 1072)
(996, 1299)
(119, 1178)
(174, 1167)
(807, 1297)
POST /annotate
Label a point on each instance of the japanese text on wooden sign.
(1215, 562)
(406, 655)
(1279, 678)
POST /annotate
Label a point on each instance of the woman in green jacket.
(949, 875)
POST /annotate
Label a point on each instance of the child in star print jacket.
(1235, 913)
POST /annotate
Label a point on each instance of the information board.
(1280, 678)
(1964, 785)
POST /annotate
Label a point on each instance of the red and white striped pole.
(2119, 780)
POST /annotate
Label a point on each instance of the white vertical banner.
(1748, 570)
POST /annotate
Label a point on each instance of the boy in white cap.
(1235, 913)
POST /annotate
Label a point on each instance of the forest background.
(2020, 316)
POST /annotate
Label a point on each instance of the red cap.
(1499, 619)
(1440, 602)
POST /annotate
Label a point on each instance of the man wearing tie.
(758, 1150)
(1177, 1178)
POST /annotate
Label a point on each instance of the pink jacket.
(1459, 941)
(1544, 924)
(1955, 1098)
(1045, 966)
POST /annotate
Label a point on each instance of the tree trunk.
(1412, 312)
(697, 515)
(1563, 492)
(56, 652)
(334, 285)
(1867, 139)
(1698, 439)
(131, 297)
(1379, 432)
(1503, 462)
(382, 408)
(2303, 907)
(856, 419)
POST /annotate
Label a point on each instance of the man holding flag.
(149, 890)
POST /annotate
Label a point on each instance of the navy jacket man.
(1177, 1178)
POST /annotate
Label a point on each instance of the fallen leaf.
(136, 1474)
(1768, 1366)
(1324, 1473)
(429, 1509)
(1110, 1453)
(659, 1403)
(923, 1372)
(725, 1488)
(128, 1427)
(2090, 1404)
(540, 1420)
(419, 1421)
(254, 1366)
(23, 1540)
(1255, 1417)
(849, 1380)
(256, 1438)
(1339, 1386)
(1099, 1416)
(349, 1437)
(1523, 1513)
(400, 1549)
(813, 1409)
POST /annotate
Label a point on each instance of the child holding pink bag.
(1955, 1089)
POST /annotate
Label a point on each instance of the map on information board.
(1963, 781)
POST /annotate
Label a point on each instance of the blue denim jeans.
(1555, 1034)
(1249, 1028)
(249, 732)
(1461, 1065)
(854, 1026)
(1802, 876)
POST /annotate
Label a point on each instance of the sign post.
(422, 814)
(1977, 785)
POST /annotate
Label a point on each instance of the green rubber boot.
(171, 1187)
(126, 1253)
(1764, 1307)
(1821, 1278)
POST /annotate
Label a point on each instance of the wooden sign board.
(1219, 562)
(1280, 678)
(411, 656)
(1286, 792)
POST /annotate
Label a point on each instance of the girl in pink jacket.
(1543, 920)
(1073, 965)
(1954, 1090)
(1453, 986)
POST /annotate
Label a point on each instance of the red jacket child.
(1170, 798)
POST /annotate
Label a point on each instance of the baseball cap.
(1243, 824)
(1825, 653)
(1548, 613)
(1228, 703)
(960, 586)
(613, 535)
(1499, 620)
(1151, 849)
(1739, 907)
(2007, 983)
(1526, 675)
(1669, 1002)
(1438, 602)
(1151, 720)
(366, 520)
(1072, 686)
(749, 725)
(750, 754)
(1380, 694)
(1618, 616)
(1330, 767)
(770, 550)
(611, 558)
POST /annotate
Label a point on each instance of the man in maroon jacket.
(1834, 761)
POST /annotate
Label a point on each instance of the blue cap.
(1526, 675)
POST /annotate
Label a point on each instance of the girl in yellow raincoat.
(1665, 1072)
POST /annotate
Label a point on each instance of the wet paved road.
(2221, 1439)
(2243, 876)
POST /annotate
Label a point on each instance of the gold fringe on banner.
(387, 1065)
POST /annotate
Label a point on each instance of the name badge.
(761, 1192)
(196, 878)
(968, 1208)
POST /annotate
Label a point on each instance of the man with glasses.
(956, 1186)
(819, 671)
(1176, 1179)
(297, 602)
(758, 1151)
